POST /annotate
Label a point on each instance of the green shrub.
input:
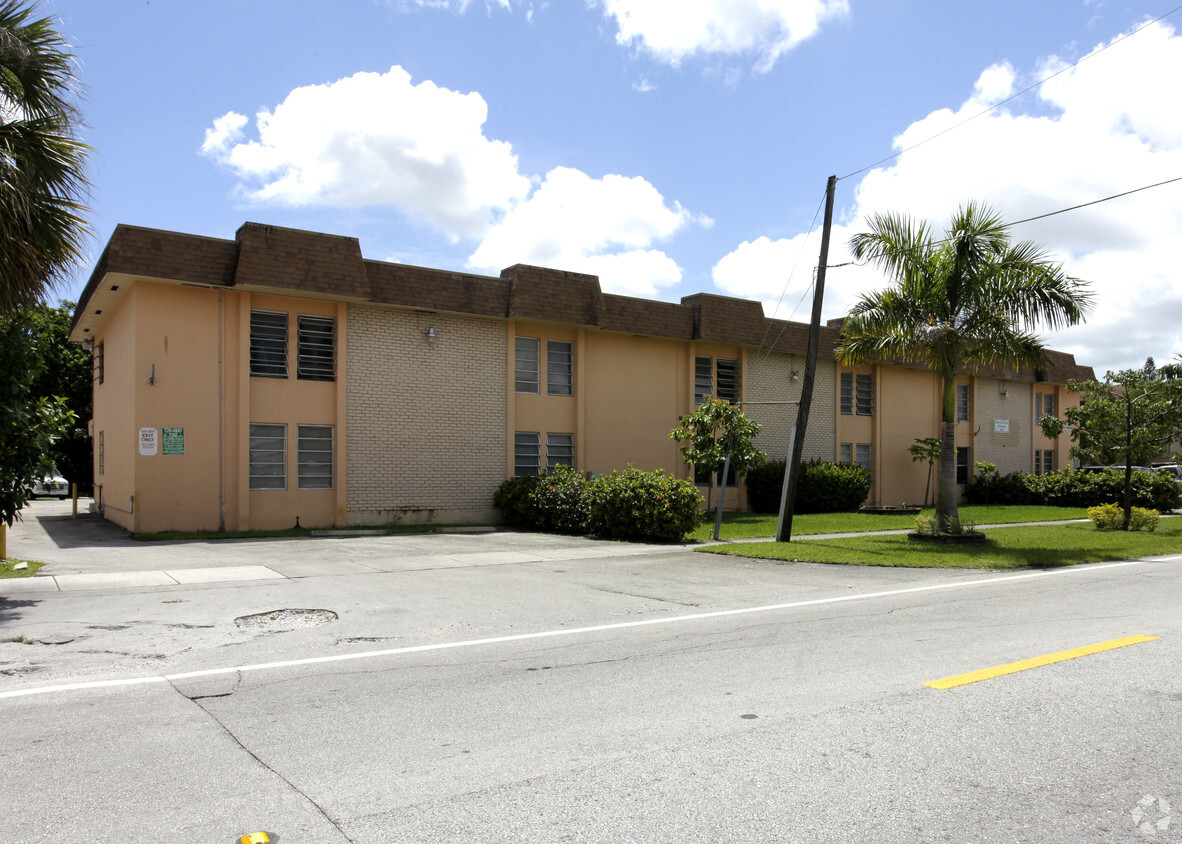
(822, 487)
(1151, 490)
(514, 499)
(561, 502)
(926, 525)
(1112, 517)
(643, 506)
(1106, 516)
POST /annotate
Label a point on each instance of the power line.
(1097, 201)
(1000, 103)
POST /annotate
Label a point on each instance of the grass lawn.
(6, 568)
(1006, 548)
(752, 525)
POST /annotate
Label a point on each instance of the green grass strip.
(7, 572)
(1042, 546)
(752, 525)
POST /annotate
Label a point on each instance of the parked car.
(1172, 469)
(1114, 469)
(54, 485)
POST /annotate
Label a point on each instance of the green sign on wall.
(172, 440)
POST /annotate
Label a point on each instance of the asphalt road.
(592, 692)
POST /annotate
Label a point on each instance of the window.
(560, 368)
(703, 378)
(729, 384)
(720, 379)
(268, 344)
(314, 456)
(1044, 405)
(864, 394)
(705, 478)
(102, 451)
(1044, 460)
(862, 455)
(527, 454)
(268, 456)
(962, 465)
(846, 454)
(962, 402)
(560, 449)
(99, 363)
(316, 359)
(526, 358)
(847, 393)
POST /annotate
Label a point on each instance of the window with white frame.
(314, 456)
(560, 450)
(845, 453)
(703, 378)
(962, 402)
(864, 394)
(316, 356)
(268, 344)
(862, 455)
(527, 453)
(526, 357)
(560, 368)
(268, 456)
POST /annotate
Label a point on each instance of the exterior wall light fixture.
(431, 334)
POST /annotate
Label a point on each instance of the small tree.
(926, 448)
(1130, 417)
(717, 436)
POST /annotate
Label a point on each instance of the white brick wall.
(769, 378)
(426, 421)
(1010, 451)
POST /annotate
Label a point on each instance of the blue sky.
(667, 146)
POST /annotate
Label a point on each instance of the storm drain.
(289, 619)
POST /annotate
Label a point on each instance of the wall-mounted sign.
(1001, 426)
(172, 440)
(148, 441)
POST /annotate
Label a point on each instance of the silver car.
(53, 485)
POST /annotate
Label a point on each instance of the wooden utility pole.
(792, 473)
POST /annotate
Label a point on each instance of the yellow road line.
(1035, 662)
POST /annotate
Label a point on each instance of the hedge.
(821, 488)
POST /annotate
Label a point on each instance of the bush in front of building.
(1112, 517)
(643, 506)
(1151, 490)
(821, 488)
(560, 501)
(514, 498)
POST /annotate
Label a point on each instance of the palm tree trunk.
(947, 517)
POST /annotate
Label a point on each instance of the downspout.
(221, 425)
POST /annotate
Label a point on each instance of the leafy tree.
(926, 448)
(712, 434)
(968, 300)
(1129, 418)
(29, 423)
(42, 162)
(67, 372)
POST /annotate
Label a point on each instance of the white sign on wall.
(1001, 426)
(148, 441)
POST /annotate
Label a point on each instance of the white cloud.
(672, 30)
(376, 139)
(1112, 126)
(606, 227)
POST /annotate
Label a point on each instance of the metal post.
(726, 473)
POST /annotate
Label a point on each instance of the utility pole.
(792, 473)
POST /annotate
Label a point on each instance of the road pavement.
(451, 691)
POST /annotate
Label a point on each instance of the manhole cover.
(289, 619)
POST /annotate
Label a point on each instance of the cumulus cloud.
(673, 30)
(1095, 130)
(606, 227)
(376, 139)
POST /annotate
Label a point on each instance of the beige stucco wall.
(426, 421)
(114, 417)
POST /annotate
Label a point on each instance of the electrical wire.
(1014, 96)
(788, 281)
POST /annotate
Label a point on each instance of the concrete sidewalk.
(91, 553)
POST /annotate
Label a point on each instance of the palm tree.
(968, 301)
(42, 229)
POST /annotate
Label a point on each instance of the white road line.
(573, 631)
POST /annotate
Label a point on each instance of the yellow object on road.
(1036, 662)
(255, 838)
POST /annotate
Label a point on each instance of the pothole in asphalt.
(288, 619)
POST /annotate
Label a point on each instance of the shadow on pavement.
(11, 609)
